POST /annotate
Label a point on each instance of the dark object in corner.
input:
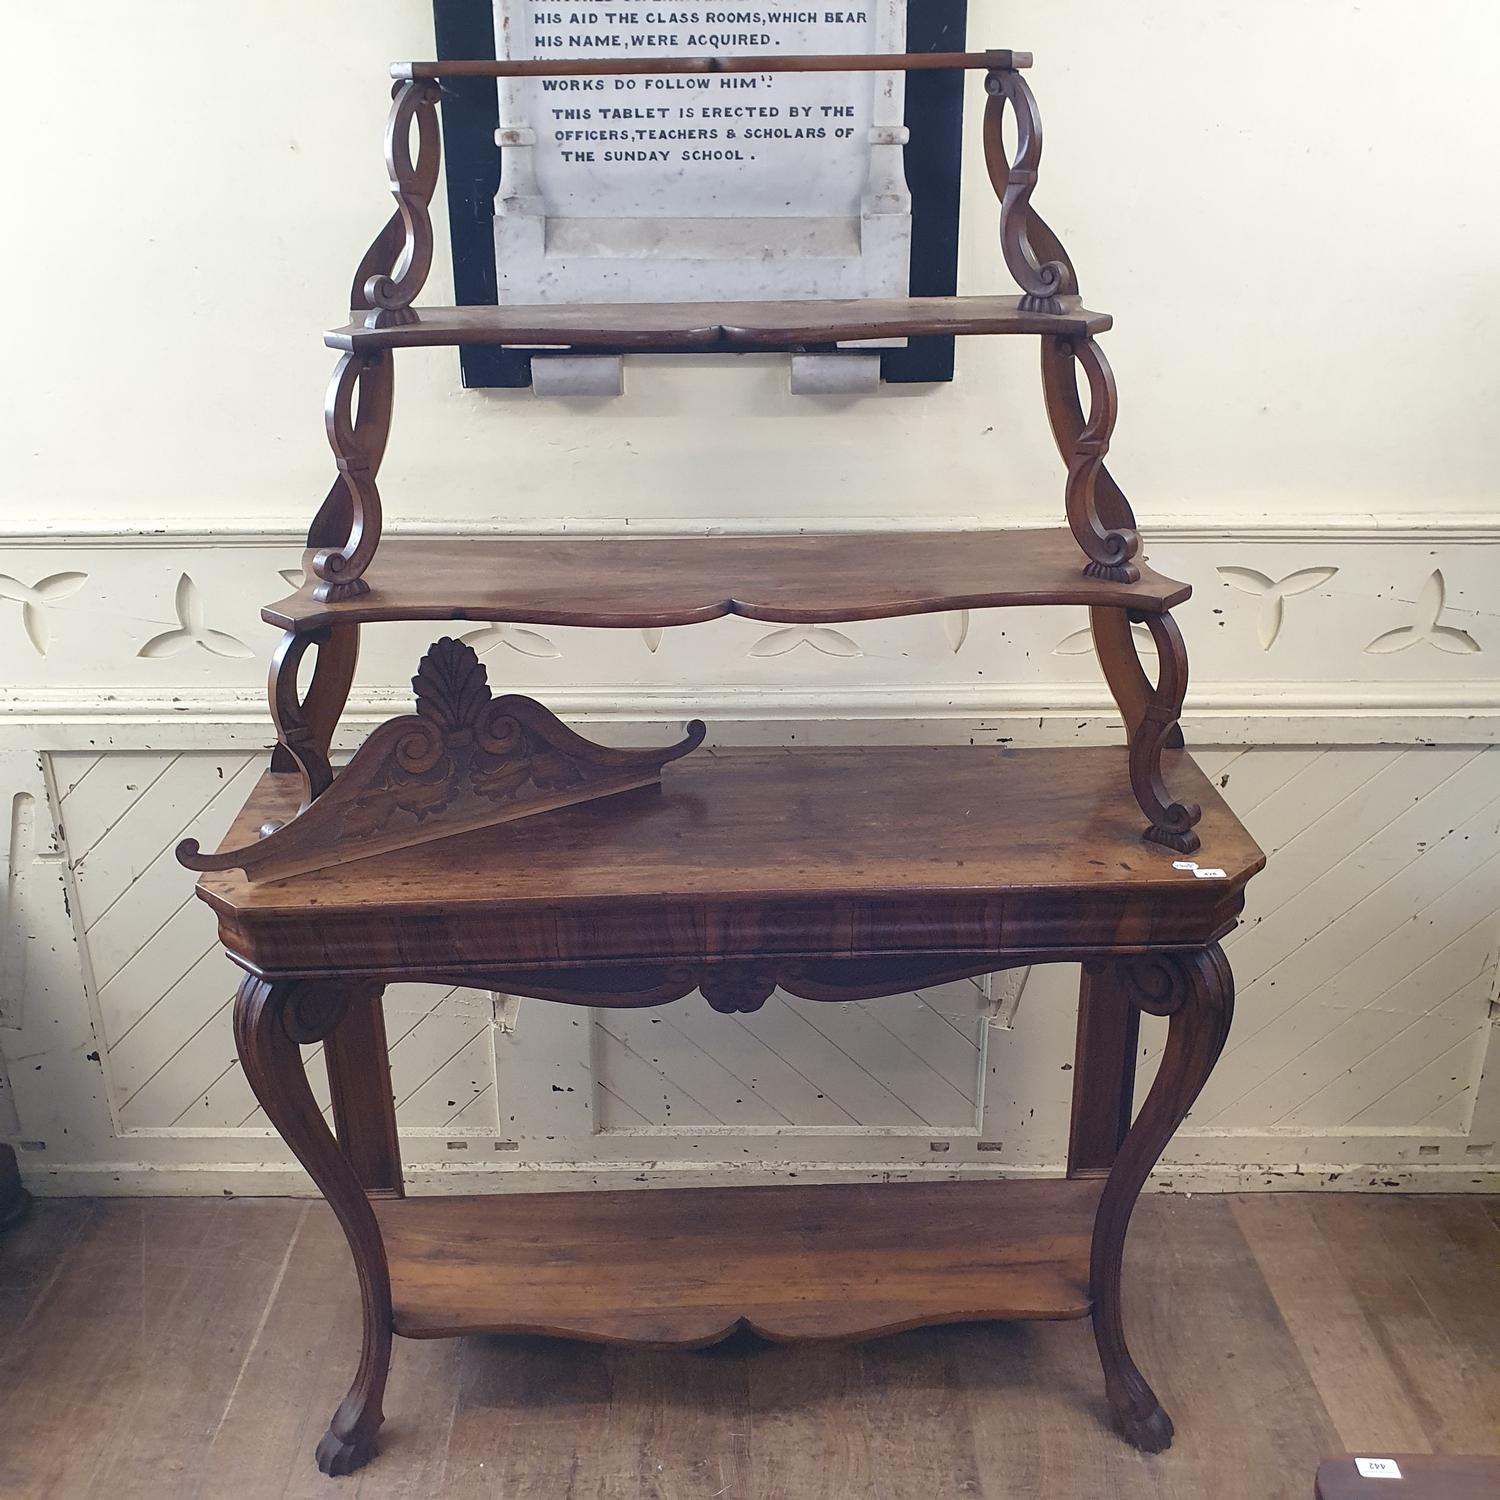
(15, 1201)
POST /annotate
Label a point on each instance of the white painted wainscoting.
(1346, 695)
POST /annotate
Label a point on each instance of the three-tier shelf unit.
(480, 840)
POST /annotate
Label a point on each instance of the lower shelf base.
(687, 1267)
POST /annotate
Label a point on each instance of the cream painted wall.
(1282, 201)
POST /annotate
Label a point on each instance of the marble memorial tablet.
(672, 188)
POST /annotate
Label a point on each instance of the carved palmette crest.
(461, 761)
(461, 743)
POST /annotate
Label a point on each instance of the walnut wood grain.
(792, 62)
(647, 582)
(753, 854)
(695, 326)
(689, 1266)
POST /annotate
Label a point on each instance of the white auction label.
(1184, 864)
(1211, 874)
(1378, 1468)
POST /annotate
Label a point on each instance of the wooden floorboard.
(195, 1348)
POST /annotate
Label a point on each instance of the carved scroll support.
(464, 760)
(1098, 512)
(272, 1022)
(305, 723)
(388, 280)
(1111, 549)
(346, 530)
(1196, 992)
(395, 267)
(298, 745)
(1172, 823)
(1044, 278)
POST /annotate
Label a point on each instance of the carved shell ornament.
(463, 760)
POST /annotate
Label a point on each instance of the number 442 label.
(1377, 1468)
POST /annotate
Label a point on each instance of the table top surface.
(750, 824)
(828, 850)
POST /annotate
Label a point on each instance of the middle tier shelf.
(647, 582)
(734, 326)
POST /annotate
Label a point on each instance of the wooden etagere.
(352, 581)
(480, 841)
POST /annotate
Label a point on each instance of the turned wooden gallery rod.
(590, 67)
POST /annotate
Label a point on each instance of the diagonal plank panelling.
(909, 1061)
(1366, 965)
(164, 987)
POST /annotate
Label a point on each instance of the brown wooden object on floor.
(1424, 1476)
(480, 841)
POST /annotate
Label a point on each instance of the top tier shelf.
(719, 325)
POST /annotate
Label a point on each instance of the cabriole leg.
(1196, 991)
(271, 1023)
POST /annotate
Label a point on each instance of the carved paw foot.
(1183, 843)
(337, 1456)
(1151, 1432)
